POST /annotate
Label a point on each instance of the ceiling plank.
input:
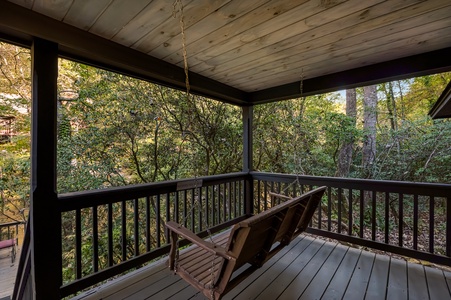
(83, 13)
(402, 48)
(337, 30)
(255, 36)
(162, 34)
(116, 16)
(80, 45)
(403, 68)
(55, 9)
(357, 55)
(234, 33)
(144, 23)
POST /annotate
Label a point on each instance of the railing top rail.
(79, 200)
(12, 224)
(419, 188)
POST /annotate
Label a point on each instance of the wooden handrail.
(368, 209)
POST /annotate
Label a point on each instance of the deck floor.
(8, 272)
(309, 268)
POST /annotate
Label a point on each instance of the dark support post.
(247, 158)
(45, 217)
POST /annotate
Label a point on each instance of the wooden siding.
(309, 268)
(255, 45)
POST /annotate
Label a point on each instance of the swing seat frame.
(209, 266)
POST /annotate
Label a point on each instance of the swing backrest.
(258, 238)
(253, 238)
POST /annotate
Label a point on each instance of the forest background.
(115, 130)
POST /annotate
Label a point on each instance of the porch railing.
(109, 232)
(11, 230)
(410, 219)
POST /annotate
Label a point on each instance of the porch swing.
(214, 266)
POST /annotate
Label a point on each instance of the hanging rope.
(178, 8)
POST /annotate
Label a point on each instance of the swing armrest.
(193, 238)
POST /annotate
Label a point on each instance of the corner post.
(45, 217)
(248, 115)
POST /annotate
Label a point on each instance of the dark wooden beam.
(248, 116)
(88, 48)
(45, 217)
(403, 68)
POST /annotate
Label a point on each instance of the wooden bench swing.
(10, 243)
(210, 265)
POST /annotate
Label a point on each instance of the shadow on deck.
(308, 268)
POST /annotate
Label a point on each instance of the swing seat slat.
(209, 266)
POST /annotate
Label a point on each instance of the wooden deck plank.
(378, 279)
(417, 282)
(397, 280)
(325, 274)
(337, 286)
(437, 286)
(276, 287)
(269, 271)
(448, 280)
(8, 272)
(304, 278)
(308, 268)
(186, 293)
(361, 276)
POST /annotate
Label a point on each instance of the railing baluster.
(185, 208)
(224, 201)
(329, 208)
(148, 231)
(176, 207)
(110, 234)
(387, 217)
(78, 253)
(229, 199)
(198, 199)
(415, 221)
(373, 215)
(136, 224)
(235, 202)
(320, 209)
(168, 216)
(213, 206)
(158, 220)
(431, 223)
(339, 209)
(218, 189)
(362, 211)
(95, 240)
(448, 226)
(350, 213)
(207, 207)
(401, 219)
(124, 229)
(241, 197)
(265, 187)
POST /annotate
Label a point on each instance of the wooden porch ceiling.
(245, 52)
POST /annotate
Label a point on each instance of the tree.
(369, 128)
(346, 151)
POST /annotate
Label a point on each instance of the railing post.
(45, 217)
(248, 158)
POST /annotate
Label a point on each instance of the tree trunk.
(369, 128)
(346, 151)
